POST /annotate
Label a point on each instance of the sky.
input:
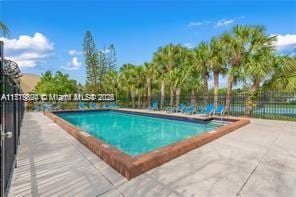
(48, 35)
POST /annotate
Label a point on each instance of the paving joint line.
(113, 186)
(259, 162)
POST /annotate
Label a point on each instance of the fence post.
(2, 121)
(10, 120)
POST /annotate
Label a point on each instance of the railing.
(11, 118)
(266, 105)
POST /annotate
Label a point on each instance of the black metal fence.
(11, 117)
(266, 105)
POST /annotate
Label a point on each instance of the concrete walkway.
(256, 160)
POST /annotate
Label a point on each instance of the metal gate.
(11, 116)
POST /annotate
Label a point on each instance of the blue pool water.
(135, 134)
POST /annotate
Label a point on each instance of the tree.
(284, 76)
(150, 73)
(111, 58)
(47, 84)
(92, 64)
(200, 59)
(194, 78)
(257, 69)
(243, 45)
(217, 63)
(56, 84)
(112, 82)
(179, 74)
(4, 29)
(167, 58)
(236, 44)
(129, 78)
(140, 82)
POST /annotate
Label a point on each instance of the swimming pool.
(135, 141)
(135, 134)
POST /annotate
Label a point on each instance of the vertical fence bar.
(266, 105)
(10, 119)
(2, 122)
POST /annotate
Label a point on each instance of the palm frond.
(4, 29)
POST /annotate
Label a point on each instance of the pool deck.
(258, 159)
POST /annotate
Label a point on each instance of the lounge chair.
(113, 105)
(200, 109)
(36, 107)
(81, 105)
(93, 105)
(209, 110)
(170, 109)
(189, 110)
(154, 106)
(57, 107)
(220, 110)
(46, 107)
(106, 106)
(181, 107)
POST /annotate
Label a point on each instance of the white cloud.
(240, 17)
(225, 21)
(285, 44)
(73, 65)
(188, 45)
(28, 51)
(219, 23)
(74, 52)
(199, 23)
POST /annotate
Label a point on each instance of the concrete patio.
(256, 160)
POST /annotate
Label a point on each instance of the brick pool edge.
(131, 167)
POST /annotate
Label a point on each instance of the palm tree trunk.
(172, 95)
(149, 91)
(178, 96)
(193, 97)
(116, 95)
(144, 98)
(250, 100)
(162, 93)
(127, 98)
(139, 101)
(206, 89)
(216, 88)
(133, 98)
(228, 93)
(133, 102)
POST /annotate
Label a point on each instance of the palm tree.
(128, 76)
(112, 82)
(284, 76)
(194, 82)
(200, 60)
(217, 62)
(167, 59)
(258, 67)
(236, 44)
(180, 73)
(140, 82)
(150, 73)
(243, 45)
(259, 62)
(4, 29)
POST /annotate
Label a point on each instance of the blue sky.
(136, 29)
